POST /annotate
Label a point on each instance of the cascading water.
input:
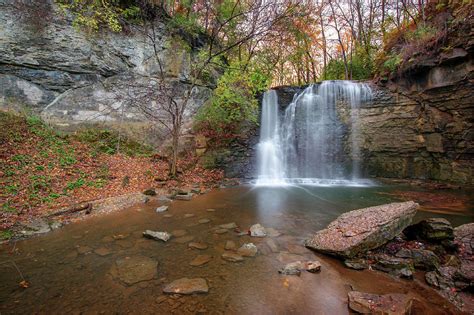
(271, 170)
(305, 143)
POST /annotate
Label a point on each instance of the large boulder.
(364, 229)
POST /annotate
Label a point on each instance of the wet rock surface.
(248, 250)
(200, 260)
(232, 257)
(187, 286)
(257, 230)
(364, 229)
(158, 236)
(131, 270)
(161, 209)
(387, 304)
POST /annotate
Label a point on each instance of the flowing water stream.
(304, 143)
(71, 270)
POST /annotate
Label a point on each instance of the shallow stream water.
(66, 275)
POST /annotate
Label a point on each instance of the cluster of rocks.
(382, 238)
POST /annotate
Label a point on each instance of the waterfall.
(305, 142)
(269, 154)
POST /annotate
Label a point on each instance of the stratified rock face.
(421, 125)
(71, 76)
(364, 229)
(388, 304)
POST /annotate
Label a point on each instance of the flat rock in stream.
(157, 236)
(200, 260)
(232, 257)
(187, 286)
(247, 250)
(388, 304)
(364, 229)
(198, 245)
(131, 270)
(102, 251)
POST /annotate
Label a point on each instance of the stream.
(73, 269)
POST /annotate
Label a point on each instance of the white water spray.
(305, 144)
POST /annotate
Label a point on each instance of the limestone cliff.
(420, 124)
(71, 76)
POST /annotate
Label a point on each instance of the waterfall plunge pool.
(70, 270)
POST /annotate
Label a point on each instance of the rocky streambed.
(237, 250)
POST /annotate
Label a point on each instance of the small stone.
(159, 236)
(211, 210)
(184, 239)
(186, 197)
(221, 231)
(168, 216)
(198, 245)
(232, 257)
(230, 245)
(84, 249)
(228, 226)
(179, 233)
(257, 230)
(273, 246)
(55, 225)
(292, 269)
(187, 286)
(204, 221)
(200, 260)
(248, 250)
(150, 192)
(313, 266)
(102, 251)
(162, 209)
(357, 264)
(189, 215)
(120, 236)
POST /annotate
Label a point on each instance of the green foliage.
(93, 14)
(234, 100)
(334, 70)
(6, 234)
(106, 141)
(361, 66)
(392, 63)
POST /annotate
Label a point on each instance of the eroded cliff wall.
(420, 125)
(71, 76)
